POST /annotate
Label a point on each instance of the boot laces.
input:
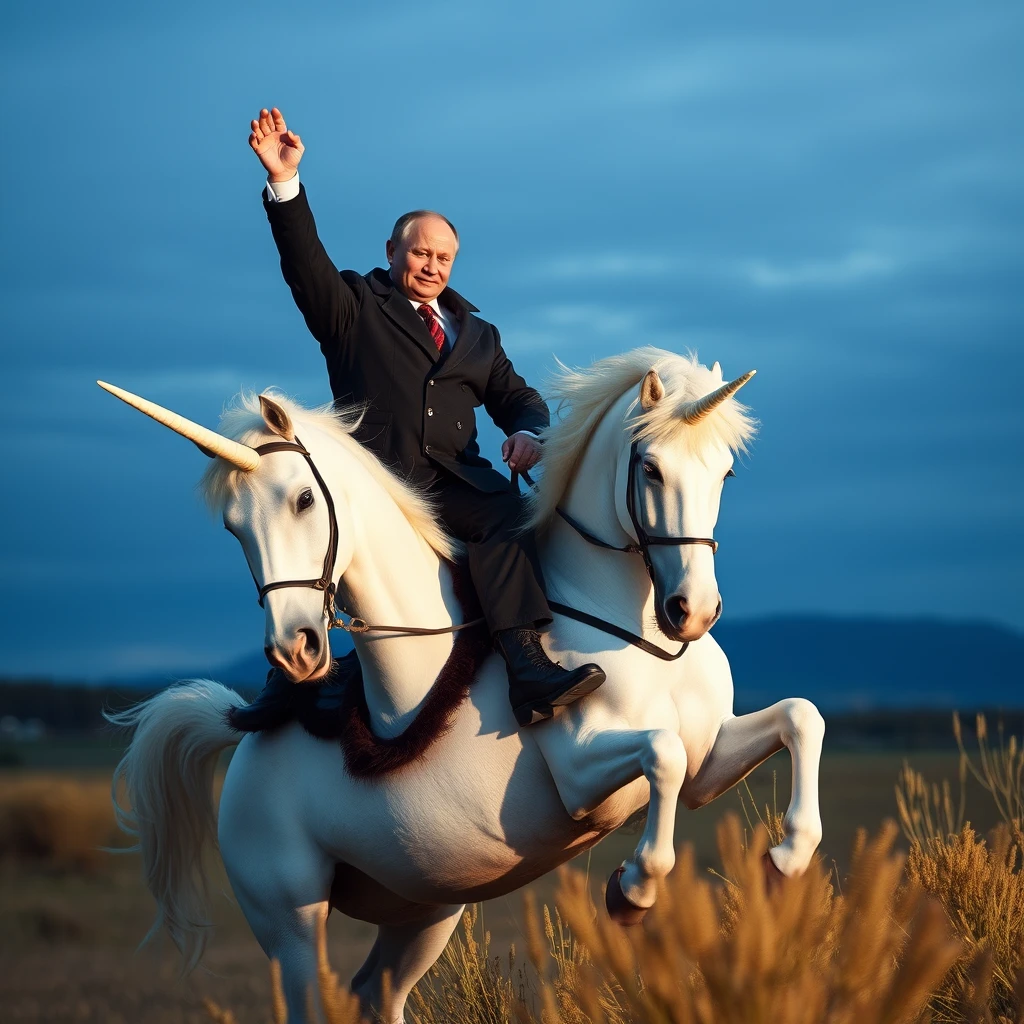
(535, 652)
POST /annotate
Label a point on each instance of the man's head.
(421, 251)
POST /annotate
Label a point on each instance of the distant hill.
(847, 664)
(883, 683)
(855, 664)
(842, 664)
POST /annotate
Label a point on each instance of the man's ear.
(389, 251)
(276, 418)
(652, 390)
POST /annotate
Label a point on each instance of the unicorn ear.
(717, 370)
(651, 390)
(276, 418)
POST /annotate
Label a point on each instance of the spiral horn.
(209, 442)
(697, 410)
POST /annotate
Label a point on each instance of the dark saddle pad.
(336, 708)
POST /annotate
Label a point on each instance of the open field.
(68, 931)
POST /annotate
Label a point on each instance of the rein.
(644, 541)
(622, 634)
(358, 625)
(326, 580)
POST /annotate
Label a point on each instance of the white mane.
(589, 393)
(242, 421)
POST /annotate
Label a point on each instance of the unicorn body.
(489, 806)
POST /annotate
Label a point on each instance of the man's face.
(422, 261)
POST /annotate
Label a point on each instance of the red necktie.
(433, 325)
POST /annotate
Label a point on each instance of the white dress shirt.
(283, 191)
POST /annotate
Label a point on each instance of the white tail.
(167, 773)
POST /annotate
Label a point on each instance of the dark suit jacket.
(421, 406)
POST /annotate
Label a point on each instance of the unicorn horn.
(209, 442)
(697, 410)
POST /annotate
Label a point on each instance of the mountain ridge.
(842, 663)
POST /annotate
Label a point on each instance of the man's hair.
(403, 222)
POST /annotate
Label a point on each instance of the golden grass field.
(858, 939)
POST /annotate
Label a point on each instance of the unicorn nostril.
(677, 610)
(312, 642)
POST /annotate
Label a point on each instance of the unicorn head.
(645, 448)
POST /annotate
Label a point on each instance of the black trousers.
(503, 562)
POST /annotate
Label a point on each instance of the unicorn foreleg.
(743, 743)
(602, 765)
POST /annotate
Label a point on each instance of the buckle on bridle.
(354, 625)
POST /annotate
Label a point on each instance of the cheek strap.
(326, 579)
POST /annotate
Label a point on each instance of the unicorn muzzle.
(302, 657)
(686, 620)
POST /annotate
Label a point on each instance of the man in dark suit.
(413, 349)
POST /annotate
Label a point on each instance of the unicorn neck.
(611, 584)
(395, 578)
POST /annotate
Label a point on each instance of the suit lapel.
(401, 312)
(470, 329)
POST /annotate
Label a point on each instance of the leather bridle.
(357, 625)
(326, 580)
(643, 538)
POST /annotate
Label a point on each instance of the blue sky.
(831, 195)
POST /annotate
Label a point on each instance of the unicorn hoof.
(773, 877)
(620, 910)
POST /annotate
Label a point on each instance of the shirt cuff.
(282, 191)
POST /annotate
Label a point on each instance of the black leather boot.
(536, 684)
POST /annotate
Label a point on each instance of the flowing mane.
(242, 421)
(588, 394)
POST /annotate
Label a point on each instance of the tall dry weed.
(712, 952)
(977, 880)
(795, 955)
(980, 886)
(486, 988)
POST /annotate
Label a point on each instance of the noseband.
(644, 539)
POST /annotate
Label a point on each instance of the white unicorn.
(644, 449)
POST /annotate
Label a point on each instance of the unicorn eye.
(729, 474)
(305, 500)
(651, 471)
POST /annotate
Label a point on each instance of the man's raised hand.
(279, 150)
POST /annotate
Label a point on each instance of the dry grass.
(710, 952)
(978, 881)
(935, 937)
(56, 822)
